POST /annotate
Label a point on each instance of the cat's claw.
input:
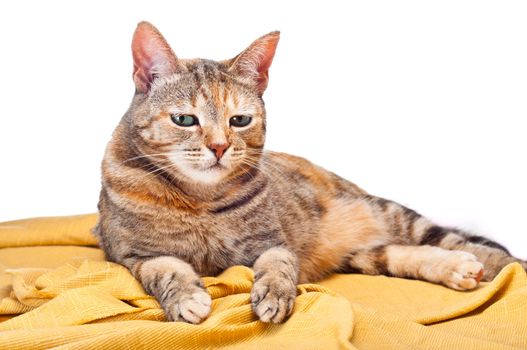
(191, 308)
(272, 298)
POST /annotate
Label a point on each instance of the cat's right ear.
(152, 56)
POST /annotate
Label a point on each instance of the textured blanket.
(56, 291)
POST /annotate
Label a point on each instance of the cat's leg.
(175, 285)
(274, 291)
(455, 269)
(410, 228)
(493, 255)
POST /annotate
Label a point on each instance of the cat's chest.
(212, 243)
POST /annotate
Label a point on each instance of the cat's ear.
(254, 62)
(152, 56)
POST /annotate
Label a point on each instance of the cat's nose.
(218, 149)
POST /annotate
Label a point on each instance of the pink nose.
(218, 149)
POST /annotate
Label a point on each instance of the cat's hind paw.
(463, 271)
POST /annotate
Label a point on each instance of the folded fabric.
(56, 291)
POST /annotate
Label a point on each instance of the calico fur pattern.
(173, 209)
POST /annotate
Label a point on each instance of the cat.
(188, 191)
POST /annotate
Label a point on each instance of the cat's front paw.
(192, 306)
(273, 297)
(461, 271)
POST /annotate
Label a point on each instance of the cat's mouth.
(217, 166)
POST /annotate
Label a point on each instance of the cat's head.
(198, 119)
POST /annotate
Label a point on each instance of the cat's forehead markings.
(193, 101)
(235, 100)
(164, 83)
(206, 89)
(206, 108)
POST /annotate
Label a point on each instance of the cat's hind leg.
(410, 228)
(493, 255)
(455, 269)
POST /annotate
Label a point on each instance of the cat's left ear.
(254, 62)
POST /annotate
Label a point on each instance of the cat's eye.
(240, 120)
(184, 120)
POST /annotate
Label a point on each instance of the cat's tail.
(418, 230)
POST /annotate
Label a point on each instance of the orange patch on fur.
(160, 116)
(344, 227)
(166, 199)
(149, 191)
(215, 91)
(480, 275)
(225, 95)
(235, 101)
(318, 177)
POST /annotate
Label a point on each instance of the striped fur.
(172, 211)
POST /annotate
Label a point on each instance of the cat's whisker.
(264, 162)
(248, 171)
(272, 172)
(148, 166)
(156, 171)
(267, 162)
(256, 166)
(147, 156)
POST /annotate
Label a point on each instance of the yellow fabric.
(56, 291)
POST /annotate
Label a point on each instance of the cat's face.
(200, 120)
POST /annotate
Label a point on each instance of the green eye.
(240, 120)
(184, 120)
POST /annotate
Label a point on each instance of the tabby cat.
(188, 191)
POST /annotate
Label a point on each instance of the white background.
(417, 101)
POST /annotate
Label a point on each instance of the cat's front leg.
(176, 286)
(274, 291)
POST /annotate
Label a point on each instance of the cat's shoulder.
(287, 159)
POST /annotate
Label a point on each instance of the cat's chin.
(209, 176)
